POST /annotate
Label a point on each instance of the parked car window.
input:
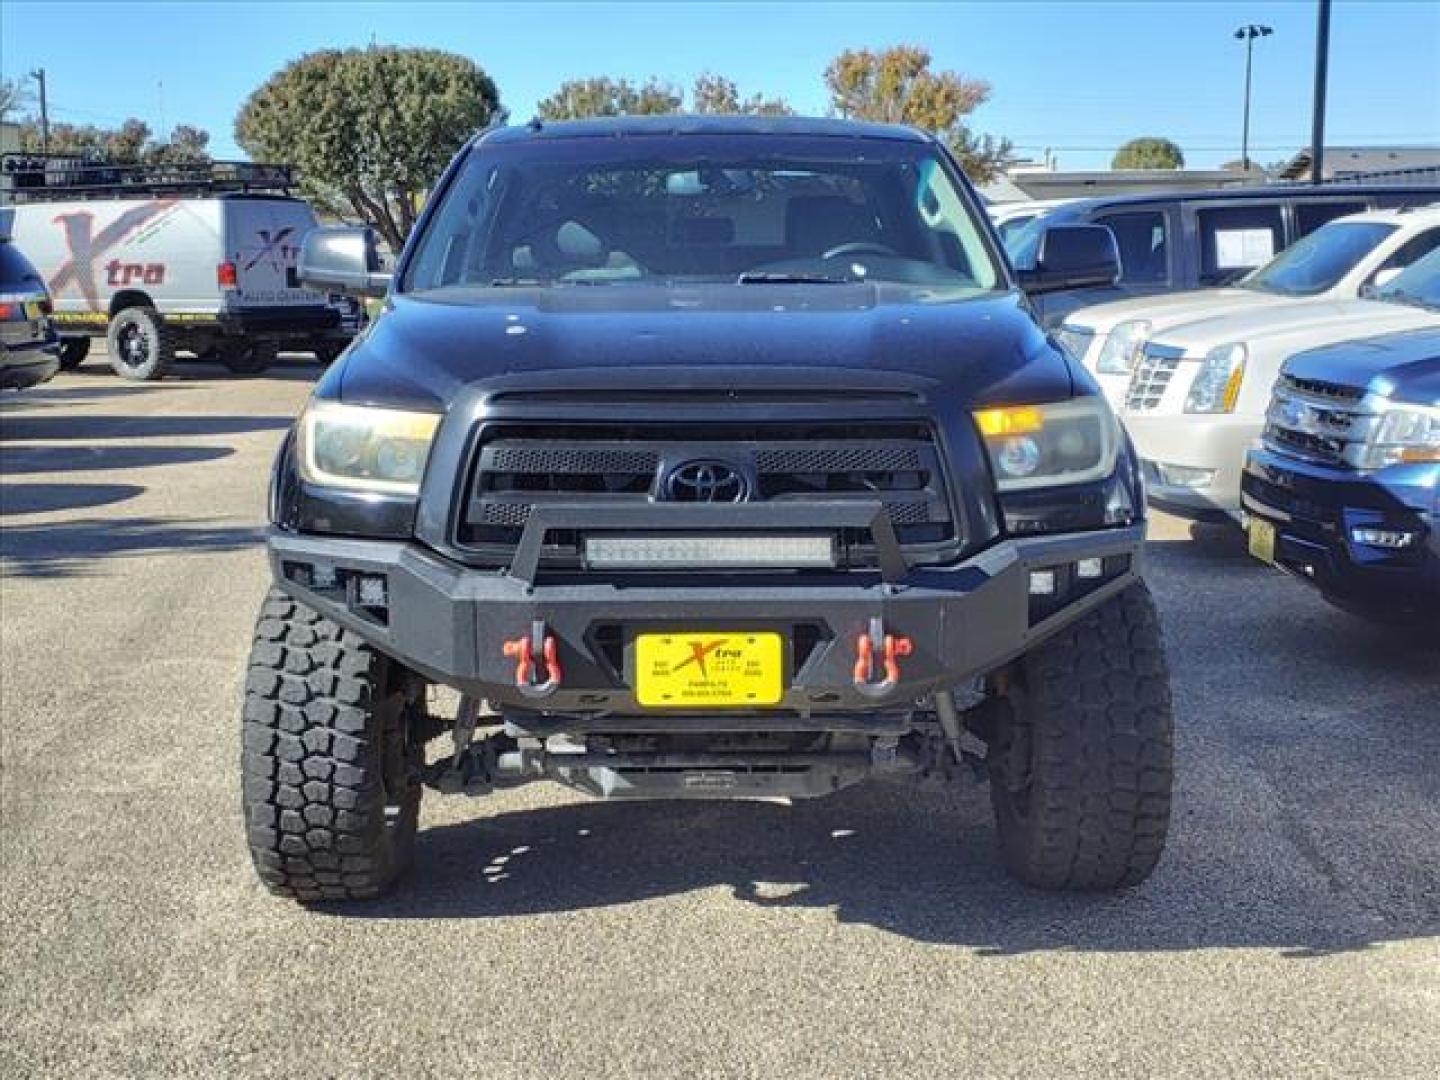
(1418, 286)
(1142, 239)
(585, 212)
(1310, 215)
(1414, 249)
(1315, 263)
(1010, 227)
(1236, 239)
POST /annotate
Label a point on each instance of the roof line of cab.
(610, 127)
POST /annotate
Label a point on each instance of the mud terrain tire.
(331, 773)
(1081, 763)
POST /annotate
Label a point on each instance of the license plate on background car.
(709, 668)
(1262, 540)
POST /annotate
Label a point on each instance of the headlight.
(365, 449)
(1122, 347)
(1404, 435)
(1033, 446)
(1217, 387)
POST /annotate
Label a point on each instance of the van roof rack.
(56, 177)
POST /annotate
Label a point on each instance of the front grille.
(1153, 372)
(519, 467)
(1316, 421)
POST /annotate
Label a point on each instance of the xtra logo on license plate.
(744, 668)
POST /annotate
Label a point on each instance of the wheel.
(247, 359)
(141, 346)
(331, 764)
(73, 351)
(1081, 762)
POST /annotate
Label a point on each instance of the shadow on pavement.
(918, 864)
(74, 548)
(15, 460)
(18, 499)
(23, 428)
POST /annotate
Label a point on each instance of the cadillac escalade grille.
(1316, 421)
(519, 467)
(1153, 372)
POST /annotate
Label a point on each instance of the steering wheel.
(858, 247)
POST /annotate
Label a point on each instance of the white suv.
(1335, 262)
(1197, 397)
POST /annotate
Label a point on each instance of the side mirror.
(342, 259)
(1072, 257)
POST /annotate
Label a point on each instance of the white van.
(164, 259)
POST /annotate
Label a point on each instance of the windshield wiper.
(539, 283)
(764, 277)
(1408, 299)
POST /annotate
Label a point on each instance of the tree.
(369, 129)
(187, 143)
(603, 96)
(13, 98)
(715, 94)
(1148, 152)
(897, 86)
(131, 143)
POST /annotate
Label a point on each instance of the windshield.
(1315, 263)
(690, 209)
(1418, 286)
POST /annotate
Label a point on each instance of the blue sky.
(1080, 77)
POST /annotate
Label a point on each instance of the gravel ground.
(1291, 930)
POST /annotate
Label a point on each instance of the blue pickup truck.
(1344, 488)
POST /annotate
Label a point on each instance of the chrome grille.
(1316, 421)
(1153, 372)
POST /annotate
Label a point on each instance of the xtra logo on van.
(274, 249)
(86, 246)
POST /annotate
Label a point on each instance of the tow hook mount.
(537, 669)
(877, 659)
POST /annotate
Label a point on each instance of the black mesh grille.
(520, 466)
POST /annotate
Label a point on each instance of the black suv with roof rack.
(712, 458)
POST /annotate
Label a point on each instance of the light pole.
(1248, 34)
(39, 76)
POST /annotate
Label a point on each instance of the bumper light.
(709, 552)
(1393, 539)
(1183, 476)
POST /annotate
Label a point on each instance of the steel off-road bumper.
(450, 622)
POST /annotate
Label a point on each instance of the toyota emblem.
(705, 482)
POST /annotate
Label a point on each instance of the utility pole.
(39, 76)
(1322, 65)
(1248, 34)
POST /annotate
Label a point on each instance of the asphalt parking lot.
(1293, 928)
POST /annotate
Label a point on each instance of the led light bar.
(709, 552)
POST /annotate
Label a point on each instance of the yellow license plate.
(1262, 540)
(33, 309)
(709, 668)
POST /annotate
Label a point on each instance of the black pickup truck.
(1344, 489)
(715, 458)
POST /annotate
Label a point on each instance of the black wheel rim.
(134, 345)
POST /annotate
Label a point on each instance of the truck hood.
(1171, 308)
(1327, 320)
(975, 348)
(1402, 367)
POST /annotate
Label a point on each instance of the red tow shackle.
(537, 670)
(876, 646)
